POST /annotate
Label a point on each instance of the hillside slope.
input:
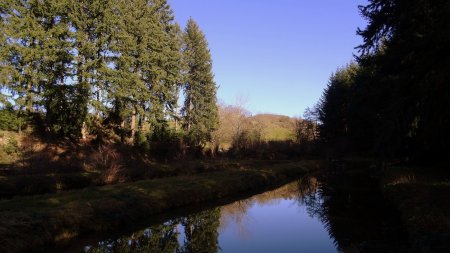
(275, 127)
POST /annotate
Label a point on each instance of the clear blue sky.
(278, 53)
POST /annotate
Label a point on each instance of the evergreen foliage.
(334, 103)
(200, 106)
(396, 102)
(102, 64)
(10, 120)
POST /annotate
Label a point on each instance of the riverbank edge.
(30, 223)
(420, 194)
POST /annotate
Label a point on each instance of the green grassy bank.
(30, 223)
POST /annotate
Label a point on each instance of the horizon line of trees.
(82, 67)
(394, 101)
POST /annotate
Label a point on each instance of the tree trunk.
(122, 131)
(97, 114)
(29, 102)
(84, 131)
(189, 112)
(176, 118)
(133, 123)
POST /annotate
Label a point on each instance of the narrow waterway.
(314, 214)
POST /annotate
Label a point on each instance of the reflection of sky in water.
(181, 236)
(280, 226)
(274, 221)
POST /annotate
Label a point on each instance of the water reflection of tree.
(160, 238)
(237, 213)
(200, 235)
(355, 214)
(201, 232)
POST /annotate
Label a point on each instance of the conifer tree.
(20, 52)
(129, 47)
(200, 106)
(92, 22)
(111, 59)
(64, 102)
(4, 66)
(333, 107)
(177, 34)
(163, 72)
(38, 57)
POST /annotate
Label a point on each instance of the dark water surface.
(313, 214)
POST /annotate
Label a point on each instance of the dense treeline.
(393, 102)
(105, 68)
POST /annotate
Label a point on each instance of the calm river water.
(308, 215)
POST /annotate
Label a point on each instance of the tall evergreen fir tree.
(163, 72)
(200, 107)
(129, 46)
(177, 34)
(4, 66)
(38, 61)
(333, 106)
(395, 104)
(103, 59)
(20, 53)
(92, 22)
(65, 102)
(405, 42)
